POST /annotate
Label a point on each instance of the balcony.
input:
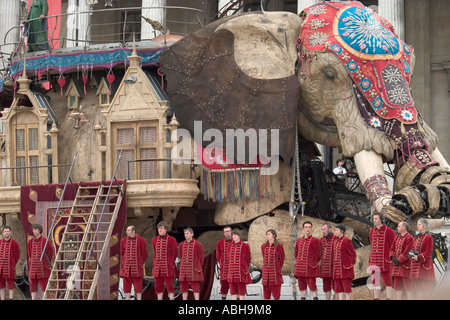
(76, 37)
(165, 192)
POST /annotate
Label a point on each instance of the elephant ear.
(208, 82)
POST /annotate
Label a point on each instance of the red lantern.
(61, 82)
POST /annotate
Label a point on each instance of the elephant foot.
(393, 213)
(429, 197)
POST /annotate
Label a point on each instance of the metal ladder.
(86, 238)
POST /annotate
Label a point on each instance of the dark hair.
(341, 227)
(6, 227)
(236, 231)
(275, 242)
(339, 160)
(163, 224)
(307, 222)
(379, 214)
(37, 226)
(327, 224)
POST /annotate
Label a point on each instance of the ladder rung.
(75, 223)
(70, 242)
(80, 290)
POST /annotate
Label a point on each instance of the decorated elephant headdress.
(379, 64)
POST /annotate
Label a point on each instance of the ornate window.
(26, 154)
(103, 93)
(138, 142)
(74, 93)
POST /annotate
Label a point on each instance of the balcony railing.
(169, 167)
(93, 29)
(23, 175)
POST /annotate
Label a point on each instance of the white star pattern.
(392, 75)
(318, 38)
(318, 10)
(398, 95)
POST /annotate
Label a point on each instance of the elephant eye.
(329, 73)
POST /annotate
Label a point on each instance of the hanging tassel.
(420, 128)
(14, 91)
(84, 77)
(110, 77)
(161, 74)
(402, 128)
(61, 82)
(209, 185)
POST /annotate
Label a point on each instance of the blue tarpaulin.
(83, 60)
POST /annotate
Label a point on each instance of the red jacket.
(326, 248)
(307, 257)
(399, 250)
(222, 257)
(133, 252)
(344, 257)
(273, 260)
(9, 256)
(165, 252)
(239, 258)
(381, 241)
(191, 261)
(39, 269)
(423, 268)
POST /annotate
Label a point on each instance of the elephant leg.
(371, 173)
(439, 158)
(409, 199)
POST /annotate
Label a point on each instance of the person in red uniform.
(344, 257)
(422, 271)
(399, 255)
(9, 256)
(38, 270)
(222, 259)
(307, 257)
(191, 264)
(381, 239)
(326, 248)
(133, 251)
(239, 258)
(273, 260)
(165, 252)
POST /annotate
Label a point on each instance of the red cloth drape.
(38, 204)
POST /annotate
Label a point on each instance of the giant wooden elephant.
(338, 71)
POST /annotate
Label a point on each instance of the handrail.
(59, 205)
(192, 164)
(14, 181)
(104, 206)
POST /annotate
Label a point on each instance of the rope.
(294, 203)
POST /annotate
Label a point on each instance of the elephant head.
(337, 72)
